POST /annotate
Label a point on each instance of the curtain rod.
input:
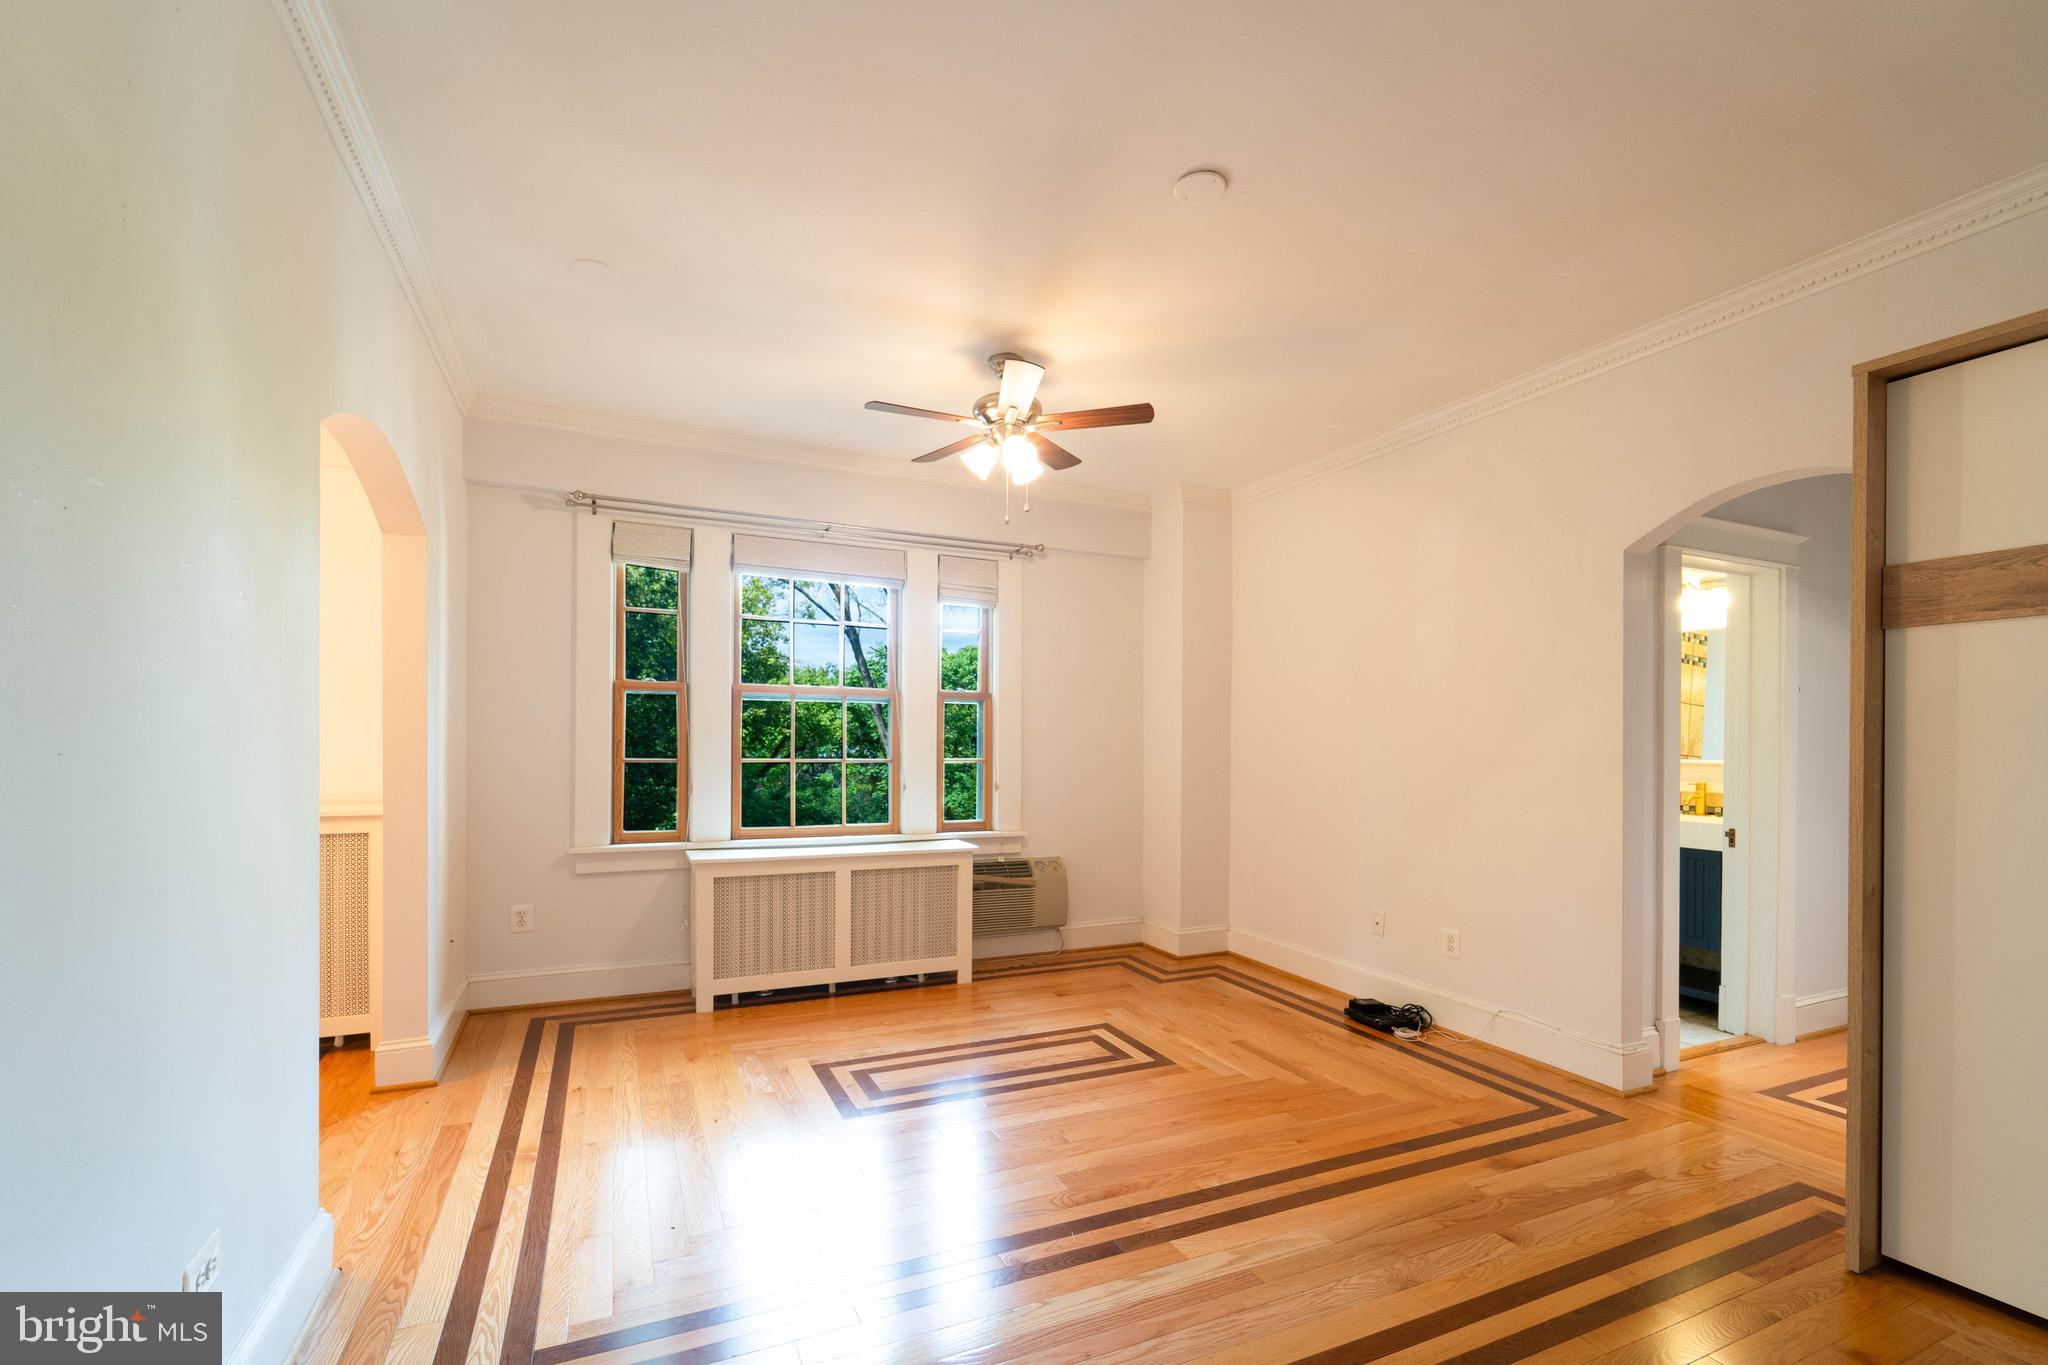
(579, 500)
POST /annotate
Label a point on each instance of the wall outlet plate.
(522, 919)
(1379, 924)
(1450, 943)
(204, 1271)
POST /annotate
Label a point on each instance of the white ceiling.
(811, 205)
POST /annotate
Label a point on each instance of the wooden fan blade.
(954, 449)
(1051, 456)
(1131, 414)
(879, 406)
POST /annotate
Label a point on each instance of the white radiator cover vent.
(345, 932)
(779, 916)
(901, 914)
(772, 922)
(1014, 894)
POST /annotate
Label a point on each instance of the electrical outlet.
(204, 1272)
(522, 919)
(1379, 924)
(1450, 943)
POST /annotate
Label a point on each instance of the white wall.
(1816, 898)
(623, 931)
(1187, 724)
(351, 638)
(192, 286)
(1398, 690)
(1164, 721)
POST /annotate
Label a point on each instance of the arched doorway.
(1748, 542)
(398, 939)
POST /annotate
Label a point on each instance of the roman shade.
(966, 580)
(646, 542)
(817, 559)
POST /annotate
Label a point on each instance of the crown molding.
(1938, 227)
(325, 64)
(1183, 493)
(704, 441)
(326, 67)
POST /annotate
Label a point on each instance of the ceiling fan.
(1009, 425)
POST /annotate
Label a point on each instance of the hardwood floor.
(1112, 1156)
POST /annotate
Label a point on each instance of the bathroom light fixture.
(1703, 608)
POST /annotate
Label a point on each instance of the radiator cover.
(348, 893)
(767, 918)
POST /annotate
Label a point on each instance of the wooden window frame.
(621, 685)
(1883, 598)
(986, 697)
(892, 694)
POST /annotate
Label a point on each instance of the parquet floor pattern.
(1108, 1156)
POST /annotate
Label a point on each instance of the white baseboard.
(1106, 933)
(1668, 1042)
(1828, 1009)
(1784, 1021)
(418, 1061)
(588, 981)
(293, 1296)
(593, 981)
(448, 1027)
(1621, 1066)
(1192, 942)
(403, 1061)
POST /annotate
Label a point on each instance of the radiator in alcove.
(347, 895)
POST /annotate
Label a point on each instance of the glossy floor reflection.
(1112, 1155)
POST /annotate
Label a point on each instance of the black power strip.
(1377, 1014)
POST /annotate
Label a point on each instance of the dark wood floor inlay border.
(855, 1089)
(1544, 1115)
(1823, 1094)
(1578, 1321)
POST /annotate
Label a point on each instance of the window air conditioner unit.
(1012, 894)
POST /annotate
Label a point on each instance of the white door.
(1735, 805)
(1965, 1074)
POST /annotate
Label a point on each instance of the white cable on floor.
(1439, 1036)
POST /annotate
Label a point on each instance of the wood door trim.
(1867, 624)
(1993, 586)
(1866, 824)
(1936, 355)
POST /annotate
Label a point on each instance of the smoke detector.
(1200, 187)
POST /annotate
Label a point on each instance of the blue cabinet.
(1699, 899)
(1699, 922)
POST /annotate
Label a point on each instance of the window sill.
(672, 857)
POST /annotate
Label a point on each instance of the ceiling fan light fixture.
(1019, 383)
(980, 459)
(1020, 458)
(1006, 427)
